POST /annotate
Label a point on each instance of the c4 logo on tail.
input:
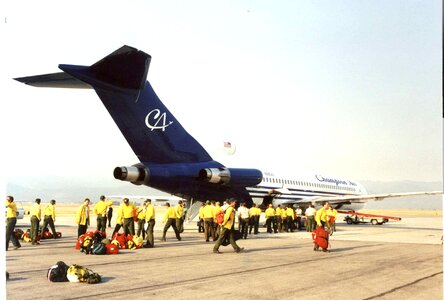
(156, 120)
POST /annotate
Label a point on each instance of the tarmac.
(397, 260)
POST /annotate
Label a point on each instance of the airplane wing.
(363, 198)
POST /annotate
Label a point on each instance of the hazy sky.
(348, 88)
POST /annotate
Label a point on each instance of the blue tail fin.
(120, 81)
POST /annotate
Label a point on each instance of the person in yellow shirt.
(150, 220)
(170, 218)
(11, 220)
(141, 212)
(321, 215)
(82, 217)
(227, 229)
(49, 218)
(128, 217)
(290, 218)
(284, 219)
(254, 214)
(36, 216)
(208, 221)
(119, 219)
(270, 218)
(100, 211)
(179, 215)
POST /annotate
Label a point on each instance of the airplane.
(172, 161)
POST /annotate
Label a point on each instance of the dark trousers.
(171, 222)
(10, 236)
(209, 229)
(179, 224)
(35, 222)
(200, 227)
(150, 233)
(82, 229)
(271, 222)
(254, 222)
(101, 223)
(116, 229)
(244, 227)
(224, 232)
(47, 220)
(128, 226)
(109, 220)
(279, 223)
(298, 223)
(140, 229)
(290, 224)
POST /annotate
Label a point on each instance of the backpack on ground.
(77, 273)
(220, 215)
(320, 238)
(98, 248)
(57, 273)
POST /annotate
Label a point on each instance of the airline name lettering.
(157, 120)
(336, 181)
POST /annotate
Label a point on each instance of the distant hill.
(71, 190)
(76, 189)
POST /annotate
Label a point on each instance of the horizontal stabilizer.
(56, 80)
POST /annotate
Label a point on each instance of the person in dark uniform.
(110, 215)
(11, 220)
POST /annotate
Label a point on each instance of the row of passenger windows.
(308, 184)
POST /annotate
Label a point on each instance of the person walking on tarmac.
(36, 216)
(227, 229)
(128, 217)
(150, 221)
(100, 210)
(321, 215)
(49, 218)
(170, 218)
(82, 217)
(11, 220)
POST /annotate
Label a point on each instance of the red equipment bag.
(111, 249)
(122, 239)
(80, 241)
(58, 234)
(220, 217)
(90, 234)
(320, 238)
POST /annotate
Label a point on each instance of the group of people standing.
(35, 214)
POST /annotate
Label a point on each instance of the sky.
(346, 88)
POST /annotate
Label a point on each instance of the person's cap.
(52, 202)
(126, 200)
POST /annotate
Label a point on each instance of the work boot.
(240, 249)
(217, 252)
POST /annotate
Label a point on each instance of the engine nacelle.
(239, 177)
(136, 174)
